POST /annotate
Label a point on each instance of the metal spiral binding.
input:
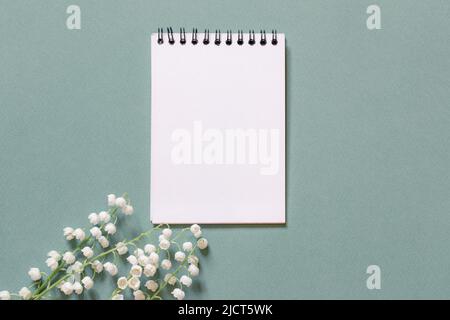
(194, 36)
(182, 36)
(217, 37)
(206, 39)
(251, 37)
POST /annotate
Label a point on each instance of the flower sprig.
(151, 270)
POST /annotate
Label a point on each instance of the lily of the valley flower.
(178, 293)
(152, 285)
(87, 252)
(139, 295)
(5, 295)
(128, 210)
(68, 257)
(94, 218)
(187, 246)
(51, 263)
(111, 200)
(87, 282)
(134, 283)
(186, 281)
(96, 232)
(121, 202)
(25, 293)
(166, 264)
(104, 216)
(67, 288)
(79, 234)
(164, 244)
(111, 268)
(110, 228)
(68, 233)
(97, 266)
(180, 256)
(193, 270)
(202, 243)
(149, 248)
(122, 283)
(103, 241)
(77, 287)
(136, 271)
(121, 248)
(149, 270)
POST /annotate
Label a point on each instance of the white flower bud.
(97, 266)
(170, 279)
(77, 287)
(87, 252)
(154, 258)
(179, 256)
(202, 243)
(5, 295)
(193, 260)
(68, 233)
(164, 244)
(54, 254)
(110, 228)
(143, 260)
(117, 297)
(186, 281)
(94, 218)
(111, 268)
(198, 234)
(195, 228)
(187, 246)
(138, 252)
(79, 234)
(104, 216)
(132, 259)
(136, 271)
(103, 242)
(138, 295)
(68, 257)
(134, 283)
(121, 202)
(178, 293)
(67, 288)
(149, 248)
(128, 210)
(166, 264)
(52, 263)
(96, 232)
(87, 282)
(151, 285)
(167, 233)
(122, 283)
(25, 293)
(77, 267)
(121, 248)
(111, 200)
(149, 270)
(193, 270)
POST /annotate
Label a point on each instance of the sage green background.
(368, 141)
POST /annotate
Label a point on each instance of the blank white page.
(217, 131)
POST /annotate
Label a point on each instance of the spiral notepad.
(217, 127)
